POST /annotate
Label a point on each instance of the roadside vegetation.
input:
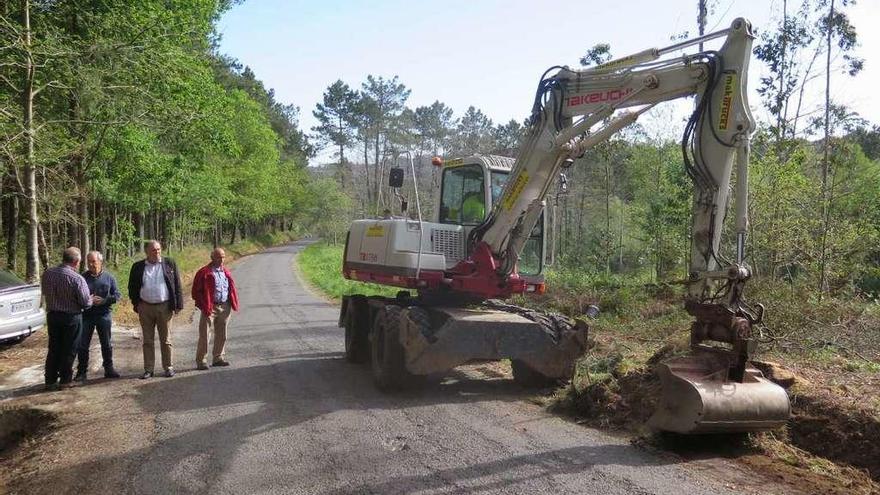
(321, 263)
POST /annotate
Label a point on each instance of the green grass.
(321, 263)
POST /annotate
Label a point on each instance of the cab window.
(531, 261)
(498, 180)
(462, 199)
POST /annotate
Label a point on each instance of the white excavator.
(487, 241)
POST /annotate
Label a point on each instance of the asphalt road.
(292, 416)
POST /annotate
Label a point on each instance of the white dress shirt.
(153, 288)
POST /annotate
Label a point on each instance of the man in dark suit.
(155, 291)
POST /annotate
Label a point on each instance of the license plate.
(21, 306)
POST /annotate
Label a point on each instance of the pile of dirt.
(620, 399)
(18, 424)
(824, 426)
(823, 429)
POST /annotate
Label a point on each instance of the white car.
(21, 312)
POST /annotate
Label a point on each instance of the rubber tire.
(356, 330)
(526, 377)
(389, 369)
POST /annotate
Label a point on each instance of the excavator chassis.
(405, 340)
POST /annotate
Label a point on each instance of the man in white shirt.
(155, 291)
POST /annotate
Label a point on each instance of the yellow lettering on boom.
(521, 180)
(726, 101)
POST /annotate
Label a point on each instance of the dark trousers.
(64, 330)
(102, 323)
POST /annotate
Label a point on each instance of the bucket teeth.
(698, 397)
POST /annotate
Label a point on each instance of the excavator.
(487, 241)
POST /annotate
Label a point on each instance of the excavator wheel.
(357, 330)
(389, 369)
(526, 377)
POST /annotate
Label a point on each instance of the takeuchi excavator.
(487, 241)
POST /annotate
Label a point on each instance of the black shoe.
(110, 373)
(220, 362)
(169, 372)
(201, 366)
(52, 387)
(80, 377)
(147, 374)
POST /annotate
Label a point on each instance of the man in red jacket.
(214, 293)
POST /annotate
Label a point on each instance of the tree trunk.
(100, 228)
(11, 221)
(44, 249)
(826, 206)
(140, 227)
(606, 241)
(30, 177)
(82, 213)
(162, 219)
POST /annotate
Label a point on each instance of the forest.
(121, 121)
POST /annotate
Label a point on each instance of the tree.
(508, 137)
(835, 25)
(597, 55)
(474, 133)
(381, 103)
(432, 126)
(335, 117)
(779, 49)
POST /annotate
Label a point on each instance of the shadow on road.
(228, 406)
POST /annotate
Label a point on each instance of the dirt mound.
(18, 424)
(825, 427)
(606, 394)
(618, 400)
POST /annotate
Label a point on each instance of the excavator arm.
(714, 389)
(574, 110)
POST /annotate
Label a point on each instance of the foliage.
(321, 263)
(142, 130)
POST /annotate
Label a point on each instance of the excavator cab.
(470, 188)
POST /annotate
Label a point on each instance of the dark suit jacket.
(172, 281)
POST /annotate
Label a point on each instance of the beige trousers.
(215, 321)
(155, 317)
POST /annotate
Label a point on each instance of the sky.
(490, 53)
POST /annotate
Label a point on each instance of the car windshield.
(8, 279)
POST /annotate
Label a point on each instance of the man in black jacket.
(155, 291)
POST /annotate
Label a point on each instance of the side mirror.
(395, 177)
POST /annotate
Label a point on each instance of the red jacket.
(203, 289)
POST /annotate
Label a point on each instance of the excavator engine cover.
(698, 397)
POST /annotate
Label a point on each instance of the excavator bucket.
(698, 397)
